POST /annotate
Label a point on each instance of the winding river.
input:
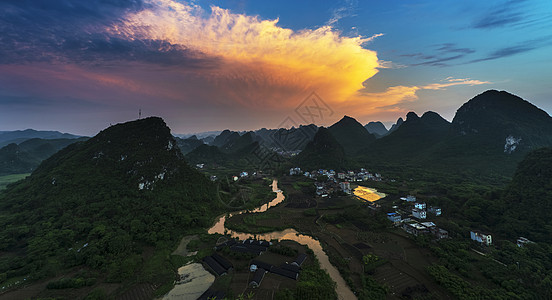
(342, 289)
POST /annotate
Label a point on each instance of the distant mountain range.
(376, 128)
(18, 136)
(22, 151)
(489, 135)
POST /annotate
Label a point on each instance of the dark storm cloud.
(57, 31)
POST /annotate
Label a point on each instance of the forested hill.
(98, 202)
(528, 199)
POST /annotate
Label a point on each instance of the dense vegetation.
(314, 283)
(351, 135)
(102, 203)
(521, 208)
(324, 150)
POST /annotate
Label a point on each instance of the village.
(327, 194)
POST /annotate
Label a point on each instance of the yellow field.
(368, 194)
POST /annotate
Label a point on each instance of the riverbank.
(288, 234)
(349, 230)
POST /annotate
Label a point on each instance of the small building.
(214, 265)
(435, 211)
(261, 264)
(419, 205)
(409, 198)
(439, 233)
(418, 213)
(213, 178)
(257, 278)
(200, 166)
(286, 273)
(415, 228)
(429, 224)
(394, 217)
(295, 171)
(521, 241)
(481, 237)
(244, 174)
(300, 259)
(291, 267)
(345, 186)
(235, 178)
(223, 262)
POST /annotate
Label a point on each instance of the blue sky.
(78, 66)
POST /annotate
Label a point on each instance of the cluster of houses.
(243, 174)
(362, 175)
(221, 266)
(289, 270)
(418, 210)
(412, 222)
(486, 239)
(336, 181)
(416, 228)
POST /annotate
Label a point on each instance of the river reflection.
(342, 289)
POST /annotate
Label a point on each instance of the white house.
(481, 237)
(409, 198)
(418, 213)
(420, 205)
(435, 210)
(521, 241)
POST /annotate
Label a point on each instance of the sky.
(78, 66)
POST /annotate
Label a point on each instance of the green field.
(7, 179)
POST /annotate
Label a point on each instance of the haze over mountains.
(494, 130)
(22, 151)
(490, 133)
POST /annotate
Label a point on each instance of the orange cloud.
(261, 62)
(392, 100)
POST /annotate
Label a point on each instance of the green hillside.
(351, 135)
(323, 152)
(100, 203)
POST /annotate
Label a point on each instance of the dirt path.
(181, 250)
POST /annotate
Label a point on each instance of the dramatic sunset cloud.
(81, 65)
(368, 104)
(261, 62)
